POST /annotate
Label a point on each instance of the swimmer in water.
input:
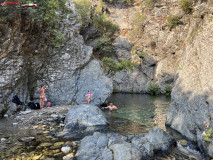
(111, 107)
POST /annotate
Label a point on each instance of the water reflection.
(137, 113)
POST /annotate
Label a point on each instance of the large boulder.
(93, 79)
(113, 146)
(82, 120)
(85, 115)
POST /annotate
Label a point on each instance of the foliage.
(104, 25)
(128, 2)
(103, 45)
(125, 64)
(150, 3)
(84, 10)
(112, 66)
(138, 23)
(186, 6)
(173, 21)
(210, 116)
(168, 90)
(58, 38)
(48, 14)
(153, 89)
(208, 135)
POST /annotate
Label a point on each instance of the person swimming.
(89, 97)
(111, 107)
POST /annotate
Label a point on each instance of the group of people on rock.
(43, 98)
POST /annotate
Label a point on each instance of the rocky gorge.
(177, 56)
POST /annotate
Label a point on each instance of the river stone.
(27, 139)
(66, 149)
(84, 115)
(111, 146)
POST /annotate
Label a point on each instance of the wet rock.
(66, 149)
(46, 144)
(27, 139)
(37, 157)
(156, 141)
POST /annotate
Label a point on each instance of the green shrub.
(209, 133)
(58, 38)
(138, 24)
(153, 89)
(168, 90)
(104, 25)
(186, 6)
(173, 21)
(150, 3)
(128, 2)
(103, 46)
(84, 10)
(125, 64)
(112, 66)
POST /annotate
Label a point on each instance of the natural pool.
(139, 113)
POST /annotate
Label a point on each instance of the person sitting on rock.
(111, 107)
(89, 97)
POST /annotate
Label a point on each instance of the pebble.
(66, 149)
(54, 115)
(62, 125)
(68, 157)
(27, 139)
(3, 139)
(6, 115)
(15, 124)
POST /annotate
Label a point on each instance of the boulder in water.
(111, 146)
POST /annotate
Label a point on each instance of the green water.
(136, 113)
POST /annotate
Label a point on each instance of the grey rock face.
(115, 146)
(84, 115)
(192, 96)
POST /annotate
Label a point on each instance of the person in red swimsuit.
(42, 96)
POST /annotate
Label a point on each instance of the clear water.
(137, 113)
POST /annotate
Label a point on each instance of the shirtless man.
(111, 107)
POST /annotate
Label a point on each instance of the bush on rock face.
(186, 6)
(150, 3)
(168, 90)
(153, 89)
(112, 66)
(173, 21)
